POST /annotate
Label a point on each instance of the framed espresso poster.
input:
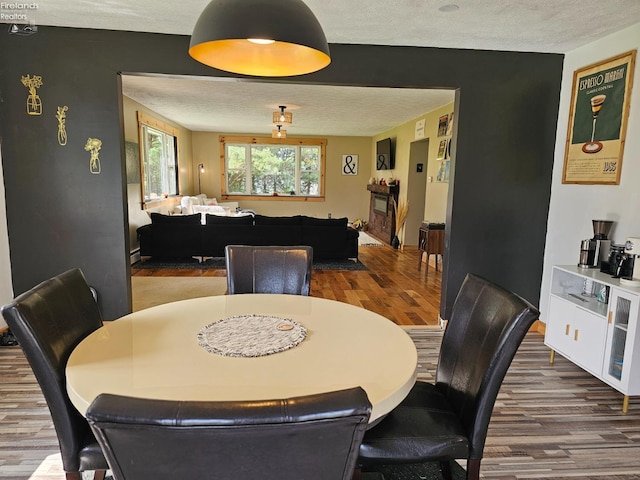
(600, 100)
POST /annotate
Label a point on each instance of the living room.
(343, 196)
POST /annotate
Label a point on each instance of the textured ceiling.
(553, 26)
(546, 26)
(230, 106)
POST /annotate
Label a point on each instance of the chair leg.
(473, 468)
(99, 474)
(445, 469)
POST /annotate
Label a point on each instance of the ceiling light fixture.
(282, 117)
(279, 133)
(266, 38)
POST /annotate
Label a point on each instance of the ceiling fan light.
(225, 38)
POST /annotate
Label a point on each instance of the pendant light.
(279, 133)
(282, 117)
(267, 38)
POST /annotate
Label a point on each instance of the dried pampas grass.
(401, 208)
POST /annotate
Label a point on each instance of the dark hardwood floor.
(391, 286)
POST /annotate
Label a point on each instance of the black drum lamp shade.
(273, 38)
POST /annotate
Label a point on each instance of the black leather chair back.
(268, 269)
(49, 321)
(486, 327)
(313, 438)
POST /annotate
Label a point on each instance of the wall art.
(419, 129)
(450, 124)
(132, 157)
(61, 115)
(600, 100)
(442, 150)
(350, 164)
(443, 121)
(34, 104)
(443, 172)
(94, 145)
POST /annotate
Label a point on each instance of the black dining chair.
(449, 419)
(268, 269)
(49, 321)
(314, 437)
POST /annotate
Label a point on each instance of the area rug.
(217, 263)
(366, 240)
(151, 291)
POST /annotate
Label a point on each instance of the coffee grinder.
(630, 265)
(594, 250)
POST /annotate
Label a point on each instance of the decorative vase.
(395, 243)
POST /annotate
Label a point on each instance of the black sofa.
(183, 236)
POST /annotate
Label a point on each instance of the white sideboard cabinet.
(593, 321)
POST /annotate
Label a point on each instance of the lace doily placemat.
(251, 335)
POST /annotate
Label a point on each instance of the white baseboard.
(134, 256)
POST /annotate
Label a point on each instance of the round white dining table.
(155, 353)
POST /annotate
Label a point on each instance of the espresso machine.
(630, 264)
(594, 250)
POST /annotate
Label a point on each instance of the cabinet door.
(589, 334)
(623, 313)
(576, 333)
(559, 326)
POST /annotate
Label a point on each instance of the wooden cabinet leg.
(552, 357)
(625, 404)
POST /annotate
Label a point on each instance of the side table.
(430, 241)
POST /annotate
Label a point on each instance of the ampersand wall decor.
(350, 164)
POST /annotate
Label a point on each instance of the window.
(158, 159)
(290, 168)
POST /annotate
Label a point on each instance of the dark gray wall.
(61, 216)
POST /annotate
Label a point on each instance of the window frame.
(148, 121)
(298, 142)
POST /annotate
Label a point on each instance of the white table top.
(154, 353)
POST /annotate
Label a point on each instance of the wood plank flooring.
(392, 286)
(550, 421)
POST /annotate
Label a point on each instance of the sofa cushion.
(219, 220)
(327, 236)
(277, 230)
(278, 221)
(159, 218)
(324, 222)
